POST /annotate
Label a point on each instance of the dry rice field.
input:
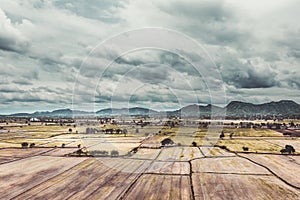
(48, 171)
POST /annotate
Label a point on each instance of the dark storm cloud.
(160, 57)
(22, 82)
(178, 63)
(7, 44)
(246, 74)
(11, 39)
(249, 78)
(214, 22)
(133, 61)
(150, 73)
(10, 90)
(154, 98)
(15, 95)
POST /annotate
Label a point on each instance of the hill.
(126, 111)
(284, 108)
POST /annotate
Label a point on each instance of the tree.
(167, 141)
(24, 144)
(194, 144)
(70, 130)
(288, 149)
(63, 145)
(32, 145)
(222, 135)
(292, 124)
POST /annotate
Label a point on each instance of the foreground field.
(160, 175)
(48, 171)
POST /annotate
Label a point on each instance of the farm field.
(50, 171)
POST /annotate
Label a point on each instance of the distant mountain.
(196, 111)
(18, 115)
(285, 108)
(126, 111)
(61, 113)
(55, 113)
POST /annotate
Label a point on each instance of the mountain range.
(284, 108)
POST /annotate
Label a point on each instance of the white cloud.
(254, 44)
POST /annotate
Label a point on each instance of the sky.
(159, 54)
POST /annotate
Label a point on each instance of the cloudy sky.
(64, 53)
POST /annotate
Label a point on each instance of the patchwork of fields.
(48, 171)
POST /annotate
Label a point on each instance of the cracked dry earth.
(168, 173)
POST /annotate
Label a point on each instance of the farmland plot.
(246, 187)
(227, 165)
(295, 143)
(91, 179)
(8, 145)
(214, 151)
(283, 166)
(60, 152)
(144, 153)
(251, 132)
(179, 154)
(121, 148)
(16, 142)
(6, 159)
(22, 153)
(19, 176)
(153, 142)
(160, 187)
(295, 159)
(182, 168)
(254, 145)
